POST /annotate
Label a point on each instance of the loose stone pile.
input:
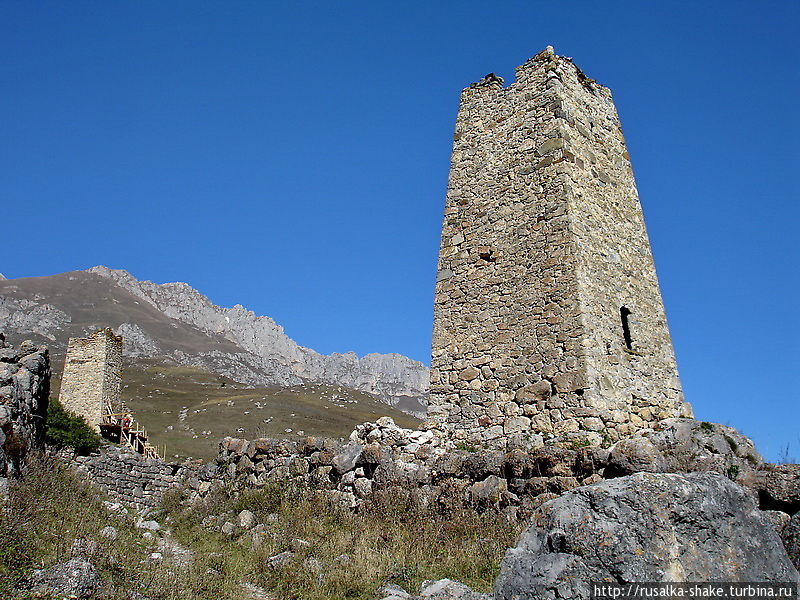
(24, 392)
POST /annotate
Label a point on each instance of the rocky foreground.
(683, 501)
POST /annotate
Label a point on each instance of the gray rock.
(246, 519)
(280, 560)
(345, 460)
(75, 578)
(390, 590)
(149, 525)
(445, 589)
(228, 528)
(489, 491)
(777, 518)
(791, 539)
(634, 455)
(782, 487)
(643, 527)
(689, 445)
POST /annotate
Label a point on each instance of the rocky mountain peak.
(176, 321)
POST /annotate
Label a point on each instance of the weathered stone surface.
(75, 578)
(133, 480)
(346, 459)
(391, 591)
(246, 519)
(689, 445)
(24, 395)
(489, 491)
(92, 376)
(781, 487)
(548, 317)
(446, 589)
(644, 527)
(791, 539)
(633, 456)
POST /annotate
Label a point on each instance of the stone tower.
(548, 316)
(92, 375)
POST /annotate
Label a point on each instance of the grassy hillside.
(190, 410)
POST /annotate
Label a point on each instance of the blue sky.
(293, 157)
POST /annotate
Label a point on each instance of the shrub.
(68, 430)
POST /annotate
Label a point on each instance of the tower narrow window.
(624, 314)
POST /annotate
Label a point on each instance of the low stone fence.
(131, 479)
(381, 456)
(433, 471)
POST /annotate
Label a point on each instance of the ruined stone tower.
(92, 371)
(548, 316)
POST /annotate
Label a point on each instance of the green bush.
(68, 430)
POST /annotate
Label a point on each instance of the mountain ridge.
(176, 321)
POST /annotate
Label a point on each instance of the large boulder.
(781, 487)
(75, 578)
(634, 455)
(644, 527)
(791, 539)
(24, 393)
(688, 446)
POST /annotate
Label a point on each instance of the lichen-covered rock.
(690, 446)
(634, 455)
(644, 527)
(446, 589)
(75, 578)
(791, 539)
(24, 394)
(782, 487)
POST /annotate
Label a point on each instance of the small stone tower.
(548, 316)
(90, 386)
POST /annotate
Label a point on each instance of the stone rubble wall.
(129, 478)
(381, 457)
(24, 395)
(92, 375)
(543, 243)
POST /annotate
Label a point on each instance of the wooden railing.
(132, 434)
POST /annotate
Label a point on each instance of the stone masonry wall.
(24, 394)
(92, 374)
(129, 478)
(543, 245)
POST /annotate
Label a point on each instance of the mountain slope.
(176, 322)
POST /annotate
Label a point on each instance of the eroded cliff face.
(175, 321)
(24, 393)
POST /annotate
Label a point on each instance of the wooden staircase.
(120, 426)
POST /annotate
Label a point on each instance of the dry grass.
(349, 557)
(350, 554)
